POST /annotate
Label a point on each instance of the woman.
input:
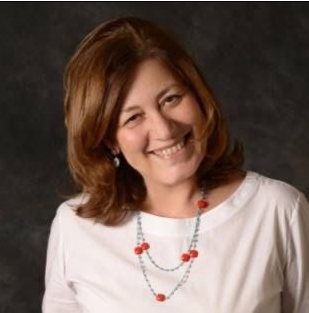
(165, 217)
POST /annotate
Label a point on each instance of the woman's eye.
(172, 99)
(133, 118)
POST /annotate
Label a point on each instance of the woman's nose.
(162, 127)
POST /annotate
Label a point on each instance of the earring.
(116, 160)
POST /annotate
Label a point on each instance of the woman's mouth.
(175, 149)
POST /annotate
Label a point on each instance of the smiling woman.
(125, 76)
(162, 194)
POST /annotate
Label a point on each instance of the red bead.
(193, 253)
(202, 204)
(138, 250)
(185, 257)
(145, 245)
(160, 297)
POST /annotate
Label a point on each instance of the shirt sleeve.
(295, 297)
(58, 296)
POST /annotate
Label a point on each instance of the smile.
(169, 152)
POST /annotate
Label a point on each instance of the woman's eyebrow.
(159, 95)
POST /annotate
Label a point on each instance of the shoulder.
(66, 211)
(279, 188)
(280, 194)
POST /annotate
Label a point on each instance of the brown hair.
(96, 81)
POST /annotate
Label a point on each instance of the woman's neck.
(177, 201)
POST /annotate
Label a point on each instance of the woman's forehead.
(151, 78)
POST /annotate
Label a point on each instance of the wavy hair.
(96, 81)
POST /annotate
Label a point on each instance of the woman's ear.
(115, 150)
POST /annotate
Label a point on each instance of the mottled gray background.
(254, 55)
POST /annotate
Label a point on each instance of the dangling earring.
(116, 160)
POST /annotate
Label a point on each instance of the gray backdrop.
(254, 55)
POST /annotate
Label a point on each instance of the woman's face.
(157, 118)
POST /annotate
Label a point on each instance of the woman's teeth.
(170, 151)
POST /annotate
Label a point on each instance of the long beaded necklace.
(187, 257)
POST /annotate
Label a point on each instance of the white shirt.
(253, 257)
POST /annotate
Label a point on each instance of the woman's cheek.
(133, 141)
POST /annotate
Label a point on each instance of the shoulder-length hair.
(96, 81)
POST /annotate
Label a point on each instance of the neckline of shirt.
(159, 225)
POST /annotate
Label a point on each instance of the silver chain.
(141, 238)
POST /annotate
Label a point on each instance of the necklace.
(187, 257)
